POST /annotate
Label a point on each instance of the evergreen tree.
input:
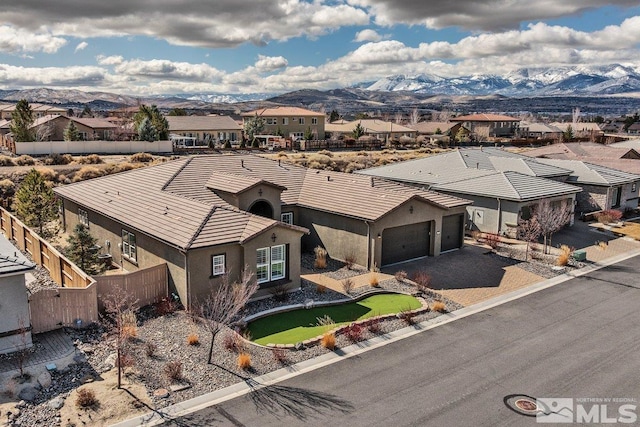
(156, 120)
(568, 133)
(358, 131)
(71, 132)
(83, 250)
(177, 112)
(308, 134)
(333, 116)
(35, 202)
(21, 121)
(86, 112)
(146, 131)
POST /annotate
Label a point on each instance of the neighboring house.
(15, 323)
(437, 128)
(538, 130)
(634, 129)
(582, 150)
(39, 110)
(489, 125)
(503, 186)
(211, 214)
(51, 128)
(290, 122)
(379, 129)
(204, 130)
(580, 129)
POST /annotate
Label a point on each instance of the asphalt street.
(579, 339)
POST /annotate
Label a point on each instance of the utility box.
(580, 255)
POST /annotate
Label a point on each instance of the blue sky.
(234, 46)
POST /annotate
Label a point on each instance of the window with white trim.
(287, 217)
(272, 121)
(83, 217)
(129, 245)
(271, 263)
(314, 120)
(285, 120)
(301, 120)
(217, 265)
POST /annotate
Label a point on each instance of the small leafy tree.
(223, 306)
(438, 131)
(71, 132)
(254, 126)
(460, 135)
(551, 217)
(529, 231)
(21, 121)
(358, 131)
(308, 134)
(83, 249)
(35, 202)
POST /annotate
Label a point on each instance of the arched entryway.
(262, 208)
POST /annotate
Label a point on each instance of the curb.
(240, 389)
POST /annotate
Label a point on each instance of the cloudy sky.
(239, 46)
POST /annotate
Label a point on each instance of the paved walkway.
(360, 281)
(49, 346)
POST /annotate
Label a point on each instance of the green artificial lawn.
(298, 325)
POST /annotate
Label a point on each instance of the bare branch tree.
(120, 313)
(551, 218)
(529, 231)
(398, 117)
(414, 117)
(222, 306)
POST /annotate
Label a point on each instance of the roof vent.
(242, 163)
(373, 184)
(328, 178)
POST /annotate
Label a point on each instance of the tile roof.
(578, 151)
(282, 111)
(171, 201)
(484, 118)
(589, 173)
(631, 143)
(201, 123)
(371, 126)
(432, 127)
(94, 122)
(11, 259)
(234, 183)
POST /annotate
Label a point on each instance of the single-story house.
(51, 128)
(580, 129)
(538, 130)
(15, 320)
(379, 129)
(503, 186)
(39, 110)
(212, 214)
(634, 129)
(489, 125)
(290, 122)
(204, 130)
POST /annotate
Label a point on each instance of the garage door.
(405, 243)
(451, 232)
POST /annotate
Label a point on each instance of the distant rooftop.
(11, 259)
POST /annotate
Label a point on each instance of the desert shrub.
(320, 288)
(86, 398)
(125, 360)
(91, 159)
(173, 370)
(565, 254)
(6, 161)
(279, 293)
(141, 158)
(7, 187)
(25, 160)
(87, 172)
(422, 279)
(48, 174)
(165, 306)
(193, 339)
(492, 240)
(602, 245)
(374, 281)
(57, 159)
(476, 235)
(373, 325)
(282, 155)
(353, 332)
(401, 276)
(321, 257)
(439, 306)
(279, 355)
(233, 342)
(347, 285)
(150, 349)
(350, 260)
(328, 341)
(407, 316)
(244, 361)
(325, 153)
(609, 215)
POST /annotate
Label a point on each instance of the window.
(271, 263)
(301, 120)
(83, 217)
(217, 265)
(314, 120)
(285, 120)
(129, 245)
(287, 217)
(272, 121)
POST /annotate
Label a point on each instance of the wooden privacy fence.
(78, 299)
(146, 286)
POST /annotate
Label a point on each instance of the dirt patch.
(113, 404)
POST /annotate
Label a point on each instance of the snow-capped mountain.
(225, 98)
(540, 81)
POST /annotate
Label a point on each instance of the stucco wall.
(14, 313)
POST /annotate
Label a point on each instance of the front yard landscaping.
(298, 325)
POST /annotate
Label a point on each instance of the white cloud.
(52, 76)
(270, 63)
(17, 40)
(162, 69)
(81, 46)
(110, 60)
(367, 35)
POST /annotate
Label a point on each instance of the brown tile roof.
(576, 150)
(234, 183)
(94, 123)
(282, 111)
(484, 118)
(432, 127)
